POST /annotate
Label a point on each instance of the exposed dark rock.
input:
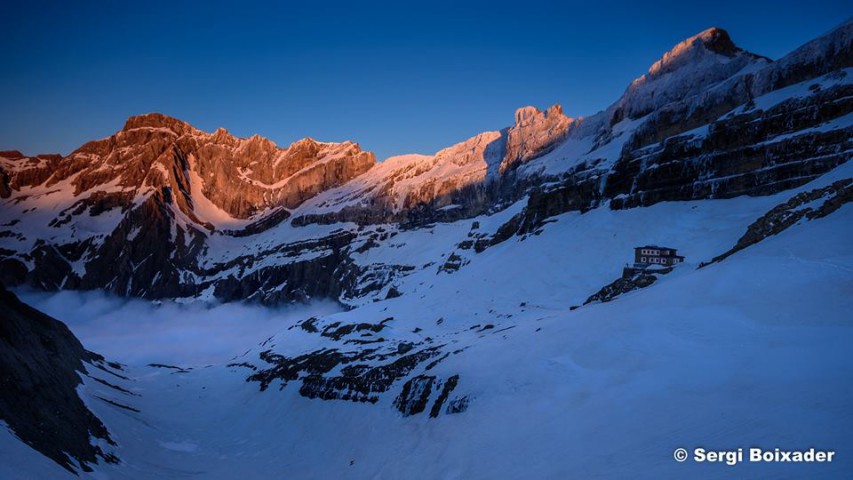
(415, 395)
(5, 189)
(242, 364)
(170, 367)
(370, 243)
(40, 366)
(435, 362)
(94, 205)
(457, 405)
(114, 387)
(267, 222)
(327, 275)
(753, 152)
(336, 331)
(52, 270)
(117, 404)
(454, 262)
(360, 281)
(141, 257)
(362, 382)
(448, 387)
(809, 205)
(632, 279)
(361, 379)
(309, 325)
(12, 270)
(392, 293)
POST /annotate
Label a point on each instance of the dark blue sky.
(396, 77)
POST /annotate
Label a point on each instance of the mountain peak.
(304, 141)
(714, 40)
(157, 120)
(535, 133)
(525, 115)
(718, 40)
(690, 67)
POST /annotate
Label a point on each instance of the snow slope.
(752, 351)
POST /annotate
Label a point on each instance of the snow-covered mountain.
(489, 331)
(163, 210)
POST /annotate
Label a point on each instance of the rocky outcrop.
(419, 390)
(363, 374)
(534, 134)
(265, 223)
(415, 395)
(808, 205)
(363, 382)
(358, 364)
(581, 193)
(40, 366)
(5, 190)
(318, 268)
(631, 279)
(336, 331)
(446, 390)
(146, 253)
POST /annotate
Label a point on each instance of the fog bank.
(135, 331)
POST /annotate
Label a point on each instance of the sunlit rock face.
(245, 176)
(689, 68)
(408, 187)
(460, 180)
(241, 176)
(534, 134)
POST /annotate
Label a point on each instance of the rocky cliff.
(40, 367)
(240, 177)
(534, 134)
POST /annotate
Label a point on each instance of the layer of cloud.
(134, 331)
